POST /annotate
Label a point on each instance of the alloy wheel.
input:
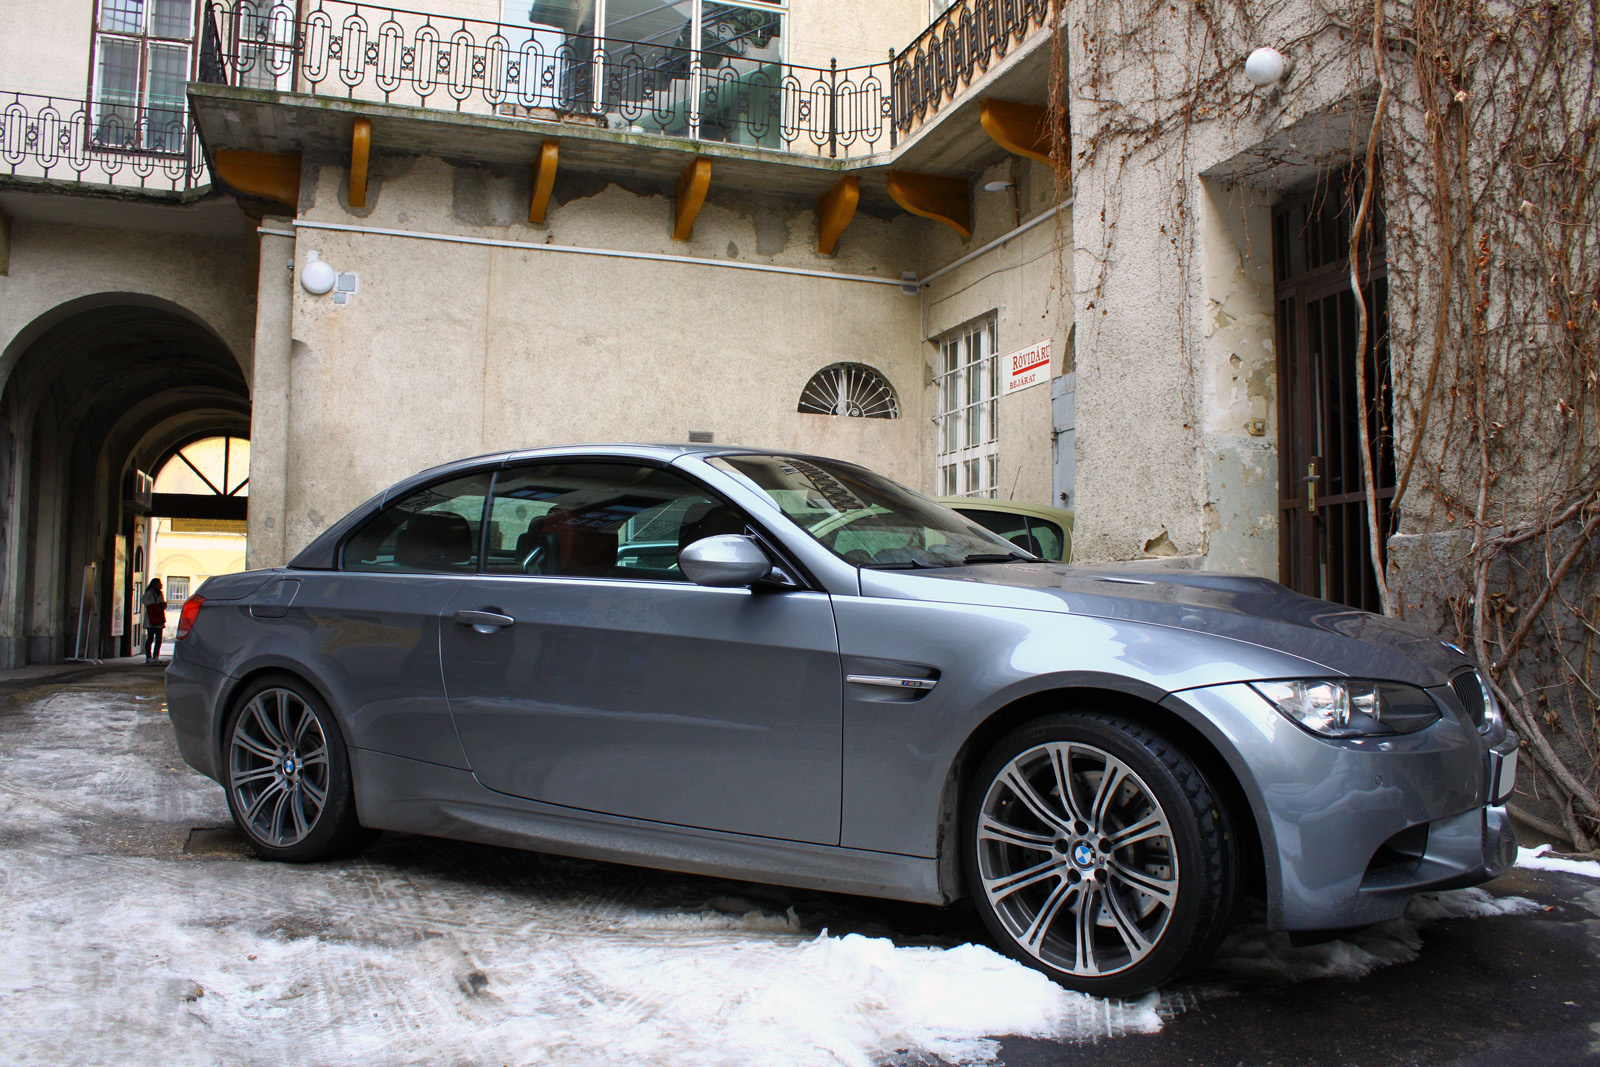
(278, 768)
(1077, 858)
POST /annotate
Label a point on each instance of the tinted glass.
(1035, 535)
(865, 518)
(599, 520)
(433, 530)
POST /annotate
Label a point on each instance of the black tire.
(288, 774)
(1055, 885)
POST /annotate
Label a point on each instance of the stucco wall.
(1172, 292)
(450, 349)
(45, 47)
(53, 264)
(1020, 283)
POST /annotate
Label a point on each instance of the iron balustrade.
(961, 45)
(154, 149)
(738, 91)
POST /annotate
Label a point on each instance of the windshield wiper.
(998, 557)
(907, 565)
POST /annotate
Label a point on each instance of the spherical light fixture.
(1264, 67)
(317, 277)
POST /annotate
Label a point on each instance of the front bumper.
(1351, 830)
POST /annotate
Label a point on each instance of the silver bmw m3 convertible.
(790, 669)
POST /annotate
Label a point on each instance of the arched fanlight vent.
(850, 389)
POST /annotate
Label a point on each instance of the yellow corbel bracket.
(835, 209)
(692, 186)
(360, 149)
(1021, 129)
(933, 196)
(265, 174)
(544, 180)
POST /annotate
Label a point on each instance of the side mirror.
(724, 561)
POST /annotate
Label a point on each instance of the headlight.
(1338, 708)
(1472, 689)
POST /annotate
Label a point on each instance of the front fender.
(900, 744)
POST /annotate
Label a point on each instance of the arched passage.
(98, 390)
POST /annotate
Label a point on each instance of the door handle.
(485, 622)
(1311, 479)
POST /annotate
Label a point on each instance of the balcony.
(737, 91)
(103, 146)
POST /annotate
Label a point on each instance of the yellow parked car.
(1036, 528)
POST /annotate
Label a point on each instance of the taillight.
(191, 611)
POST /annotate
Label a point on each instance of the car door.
(370, 629)
(583, 670)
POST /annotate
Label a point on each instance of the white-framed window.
(177, 588)
(967, 423)
(143, 55)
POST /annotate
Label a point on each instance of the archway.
(197, 522)
(100, 392)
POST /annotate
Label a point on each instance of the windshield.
(866, 519)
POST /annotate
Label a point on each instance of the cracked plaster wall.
(1173, 300)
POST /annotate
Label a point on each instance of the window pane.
(1049, 537)
(122, 16)
(116, 115)
(742, 55)
(600, 520)
(171, 19)
(118, 76)
(169, 73)
(432, 530)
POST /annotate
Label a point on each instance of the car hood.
(1334, 638)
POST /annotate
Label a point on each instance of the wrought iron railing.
(106, 143)
(961, 45)
(740, 92)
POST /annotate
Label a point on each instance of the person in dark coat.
(155, 619)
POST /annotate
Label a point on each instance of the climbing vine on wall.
(1480, 131)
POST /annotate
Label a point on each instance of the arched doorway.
(99, 394)
(198, 515)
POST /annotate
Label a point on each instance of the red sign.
(1027, 366)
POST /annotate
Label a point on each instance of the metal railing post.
(893, 114)
(833, 107)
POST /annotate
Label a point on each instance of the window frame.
(965, 466)
(143, 40)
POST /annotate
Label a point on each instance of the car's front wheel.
(1096, 853)
(288, 779)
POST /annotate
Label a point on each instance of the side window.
(599, 520)
(1038, 536)
(433, 530)
(1049, 537)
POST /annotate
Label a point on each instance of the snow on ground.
(116, 945)
(1537, 859)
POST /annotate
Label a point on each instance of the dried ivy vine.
(1484, 146)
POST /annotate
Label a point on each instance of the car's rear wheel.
(1096, 853)
(288, 774)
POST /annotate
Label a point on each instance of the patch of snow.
(1536, 859)
(409, 955)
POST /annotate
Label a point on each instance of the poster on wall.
(119, 592)
(1027, 366)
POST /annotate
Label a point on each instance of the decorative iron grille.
(732, 93)
(852, 389)
(91, 143)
